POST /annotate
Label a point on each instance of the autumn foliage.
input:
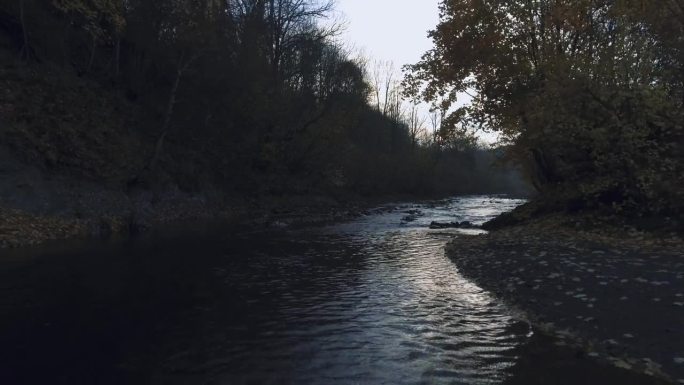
(589, 93)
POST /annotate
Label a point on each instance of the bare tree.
(388, 85)
(186, 22)
(182, 66)
(394, 102)
(290, 19)
(375, 84)
(384, 84)
(25, 48)
(436, 118)
(416, 124)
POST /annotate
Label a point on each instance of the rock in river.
(453, 225)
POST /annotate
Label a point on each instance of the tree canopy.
(589, 93)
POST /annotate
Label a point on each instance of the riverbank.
(19, 228)
(543, 362)
(618, 294)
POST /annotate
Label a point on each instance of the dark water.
(373, 301)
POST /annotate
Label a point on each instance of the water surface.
(371, 301)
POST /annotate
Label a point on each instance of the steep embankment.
(68, 147)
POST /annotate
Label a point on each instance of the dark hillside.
(113, 115)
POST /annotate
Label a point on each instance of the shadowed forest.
(248, 97)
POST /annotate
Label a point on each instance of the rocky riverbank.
(617, 294)
(117, 217)
(19, 228)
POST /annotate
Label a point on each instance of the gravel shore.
(618, 296)
(23, 228)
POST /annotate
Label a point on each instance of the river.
(370, 301)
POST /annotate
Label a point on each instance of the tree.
(384, 86)
(26, 47)
(288, 21)
(185, 26)
(415, 123)
(99, 18)
(436, 119)
(584, 90)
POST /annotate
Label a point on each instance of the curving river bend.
(371, 301)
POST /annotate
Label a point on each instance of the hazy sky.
(393, 30)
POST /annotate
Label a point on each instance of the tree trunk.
(92, 55)
(26, 48)
(159, 146)
(541, 173)
(65, 43)
(117, 56)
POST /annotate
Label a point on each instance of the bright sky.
(394, 30)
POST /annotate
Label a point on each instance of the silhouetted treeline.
(250, 95)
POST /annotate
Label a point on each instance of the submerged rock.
(453, 225)
(412, 216)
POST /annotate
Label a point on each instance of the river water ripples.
(371, 301)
